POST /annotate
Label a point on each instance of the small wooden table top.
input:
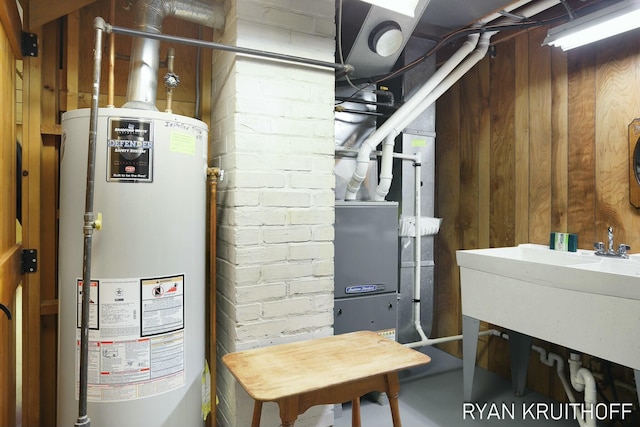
(327, 370)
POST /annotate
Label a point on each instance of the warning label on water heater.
(136, 338)
(130, 150)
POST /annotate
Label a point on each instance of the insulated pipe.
(412, 103)
(89, 225)
(145, 52)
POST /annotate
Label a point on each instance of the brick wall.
(272, 134)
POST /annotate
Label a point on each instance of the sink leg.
(519, 351)
(470, 332)
(636, 373)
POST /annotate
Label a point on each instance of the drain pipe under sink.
(582, 380)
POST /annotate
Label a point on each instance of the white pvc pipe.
(445, 84)
(434, 341)
(383, 131)
(582, 380)
(386, 169)
(417, 321)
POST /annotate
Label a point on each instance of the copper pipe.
(214, 174)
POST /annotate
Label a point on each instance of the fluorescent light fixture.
(405, 7)
(607, 22)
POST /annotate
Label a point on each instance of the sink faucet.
(610, 236)
(620, 253)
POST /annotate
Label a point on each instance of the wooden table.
(329, 370)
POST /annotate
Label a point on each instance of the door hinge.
(29, 261)
(29, 45)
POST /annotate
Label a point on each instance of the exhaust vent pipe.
(145, 53)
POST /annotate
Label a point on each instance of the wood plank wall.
(531, 141)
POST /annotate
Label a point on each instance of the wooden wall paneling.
(615, 98)
(50, 51)
(71, 61)
(49, 272)
(502, 105)
(522, 137)
(483, 140)
(475, 179)
(540, 137)
(532, 89)
(559, 141)
(42, 12)
(50, 102)
(632, 217)
(581, 158)
(31, 158)
(9, 252)
(484, 154)
(559, 184)
(447, 278)
(470, 105)
(503, 156)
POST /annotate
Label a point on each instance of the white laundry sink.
(537, 264)
(579, 300)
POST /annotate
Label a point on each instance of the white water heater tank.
(147, 293)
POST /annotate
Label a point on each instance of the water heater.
(147, 291)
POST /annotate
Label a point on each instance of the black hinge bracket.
(29, 261)
(29, 44)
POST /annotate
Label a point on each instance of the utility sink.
(581, 271)
(579, 300)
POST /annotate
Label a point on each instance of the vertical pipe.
(214, 174)
(89, 224)
(112, 55)
(418, 250)
(171, 54)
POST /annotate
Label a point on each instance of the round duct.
(386, 38)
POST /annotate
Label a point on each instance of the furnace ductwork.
(149, 15)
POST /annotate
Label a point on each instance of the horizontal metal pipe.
(227, 48)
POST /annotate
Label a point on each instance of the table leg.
(393, 389)
(257, 413)
(288, 411)
(355, 412)
(470, 333)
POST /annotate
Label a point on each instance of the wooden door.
(10, 249)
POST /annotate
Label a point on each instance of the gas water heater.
(147, 291)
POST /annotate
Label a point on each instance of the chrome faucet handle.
(599, 247)
(622, 250)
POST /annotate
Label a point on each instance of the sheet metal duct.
(143, 68)
(366, 62)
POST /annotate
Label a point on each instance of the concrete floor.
(432, 397)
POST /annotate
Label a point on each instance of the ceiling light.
(607, 22)
(386, 38)
(405, 7)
